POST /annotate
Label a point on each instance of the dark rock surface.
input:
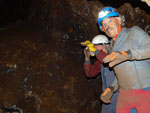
(41, 60)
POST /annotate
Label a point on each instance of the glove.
(90, 46)
(85, 43)
(117, 57)
(106, 95)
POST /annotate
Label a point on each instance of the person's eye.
(103, 24)
(110, 21)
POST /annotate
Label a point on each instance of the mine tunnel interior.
(41, 59)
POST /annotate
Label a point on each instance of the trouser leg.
(138, 99)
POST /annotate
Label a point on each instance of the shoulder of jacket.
(136, 29)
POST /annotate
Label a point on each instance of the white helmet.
(100, 40)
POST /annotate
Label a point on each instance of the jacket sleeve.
(91, 70)
(100, 55)
(114, 84)
(142, 40)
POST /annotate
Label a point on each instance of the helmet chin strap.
(115, 37)
(120, 28)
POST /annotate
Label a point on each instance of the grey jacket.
(135, 73)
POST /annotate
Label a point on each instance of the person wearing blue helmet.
(130, 58)
(106, 13)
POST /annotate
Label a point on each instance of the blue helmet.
(105, 13)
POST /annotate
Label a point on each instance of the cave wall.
(12, 11)
(43, 72)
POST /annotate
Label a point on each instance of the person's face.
(111, 26)
(100, 48)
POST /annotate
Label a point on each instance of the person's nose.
(106, 26)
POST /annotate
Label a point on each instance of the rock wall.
(42, 60)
